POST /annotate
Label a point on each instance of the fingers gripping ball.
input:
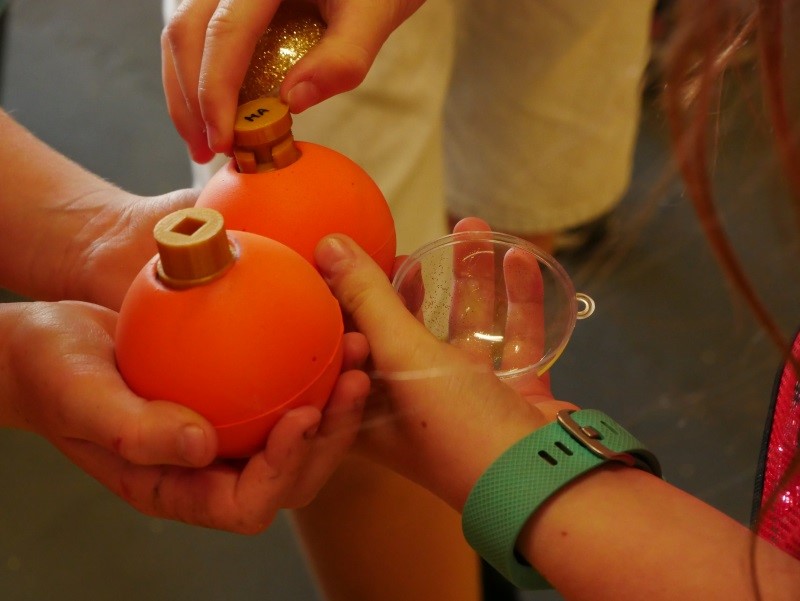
(297, 192)
(235, 326)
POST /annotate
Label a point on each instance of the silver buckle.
(590, 438)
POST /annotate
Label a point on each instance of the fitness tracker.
(531, 471)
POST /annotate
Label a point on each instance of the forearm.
(619, 533)
(616, 534)
(670, 544)
(49, 207)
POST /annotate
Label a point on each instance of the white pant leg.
(543, 109)
(391, 123)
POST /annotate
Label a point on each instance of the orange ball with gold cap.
(292, 191)
(238, 327)
(297, 192)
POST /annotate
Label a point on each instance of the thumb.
(366, 295)
(355, 33)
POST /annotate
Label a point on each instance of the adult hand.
(67, 233)
(58, 379)
(446, 416)
(207, 46)
(115, 242)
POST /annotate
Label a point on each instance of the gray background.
(671, 352)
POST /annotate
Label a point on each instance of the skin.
(544, 240)
(669, 545)
(365, 506)
(67, 234)
(445, 446)
(207, 45)
(419, 367)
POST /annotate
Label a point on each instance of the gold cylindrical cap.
(193, 247)
(262, 136)
(261, 121)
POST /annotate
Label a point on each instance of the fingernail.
(302, 96)
(193, 445)
(214, 139)
(331, 254)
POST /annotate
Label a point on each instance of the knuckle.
(127, 442)
(349, 63)
(175, 32)
(359, 300)
(208, 96)
(223, 23)
(226, 24)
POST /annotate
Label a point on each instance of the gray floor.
(670, 352)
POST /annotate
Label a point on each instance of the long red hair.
(707, 37)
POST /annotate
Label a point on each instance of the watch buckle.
(590, 438)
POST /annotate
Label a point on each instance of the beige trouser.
(539, 107)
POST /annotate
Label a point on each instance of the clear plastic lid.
(495, 295)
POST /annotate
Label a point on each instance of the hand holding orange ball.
(236, 326)
(239, 326)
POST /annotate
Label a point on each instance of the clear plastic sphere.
(495, 295)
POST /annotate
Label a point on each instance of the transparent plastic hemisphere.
(496, 295)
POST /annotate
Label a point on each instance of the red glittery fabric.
(780, 524)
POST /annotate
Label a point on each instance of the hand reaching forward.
(58, 379)
(207, 46)
(67, 233)
(445, 416)
(477, 304)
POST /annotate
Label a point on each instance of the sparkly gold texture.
(296, 27)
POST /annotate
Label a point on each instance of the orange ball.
(321, 193)
(260, 339)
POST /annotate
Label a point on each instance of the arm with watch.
(551, 495)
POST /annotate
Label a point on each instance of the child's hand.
(207, 46)
(446, 416)
(524, 334)
(58, 379)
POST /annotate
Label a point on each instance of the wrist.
(91, 262)
(449, 460)
(481, 448)
(119, 241)
(47, 203)
(529, 473)
(484, 454)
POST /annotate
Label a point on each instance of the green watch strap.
(531, 471)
